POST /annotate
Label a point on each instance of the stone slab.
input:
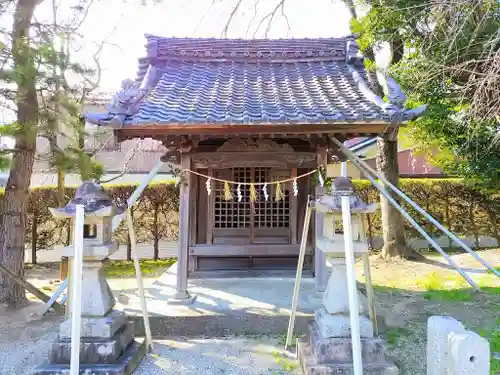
(339, 349)
(223, 325)
(438, 330)
(340, 325)
(99, 327)
(310, 366)
(126, 365)
(94, 351)
(469, 354)
(223, 307)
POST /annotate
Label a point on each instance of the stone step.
(94, 350)
(310, 365)
(224, 324)
(339, 350)
(126, 364)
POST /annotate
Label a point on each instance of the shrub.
(462, 209)
(155, 215)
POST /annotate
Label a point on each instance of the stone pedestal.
(333, 356)
(107, 345)
(327, 350)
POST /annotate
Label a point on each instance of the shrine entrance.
(243, 234)
(257, 228)
(241, 221)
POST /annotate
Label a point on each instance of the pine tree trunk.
(392, 220)
(14, 204)
(61, 201)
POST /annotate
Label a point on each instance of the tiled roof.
(253, 81)
(238, 92)
(228, 81)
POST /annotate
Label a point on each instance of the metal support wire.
(366, 168)
(433, 243)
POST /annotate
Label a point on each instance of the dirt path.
(24, 338)
(401, 290)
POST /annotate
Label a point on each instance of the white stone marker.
(438, 329)
(469, 354)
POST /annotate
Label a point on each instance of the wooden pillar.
(293, 212)
(193, 220)
(320, 269)
(184, 231)
(210, 212)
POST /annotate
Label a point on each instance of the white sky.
(127, 23)
(123, 23)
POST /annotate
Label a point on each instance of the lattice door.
(246, 222)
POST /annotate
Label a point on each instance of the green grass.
(495, 268)
(493, 336)
(439, 288)
(393, 334)
(449, 295)
(282, 339)
(285, 363)
(433, 281)
(149, 268)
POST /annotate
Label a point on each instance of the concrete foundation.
(223, 306)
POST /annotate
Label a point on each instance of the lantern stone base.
(333, 356)
(107, 347)
(339, 325)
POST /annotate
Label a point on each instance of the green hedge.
(463, 210)
(155, 214)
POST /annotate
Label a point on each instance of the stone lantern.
(329, 346)
(107, 338)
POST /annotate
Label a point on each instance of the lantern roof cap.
(95, 200)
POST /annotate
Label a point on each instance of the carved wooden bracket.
(221, 160)
(248, 152)
(254, 145)
(172, 156)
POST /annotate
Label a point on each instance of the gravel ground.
(232, 356)
(24, 341)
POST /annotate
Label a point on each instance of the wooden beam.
(193, 218)
(193, 208)
(31, 288)
(320, 270)
(245, 250)
(210, 211)
(162, 130)
(293, 212)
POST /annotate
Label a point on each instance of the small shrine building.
(249, 111)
